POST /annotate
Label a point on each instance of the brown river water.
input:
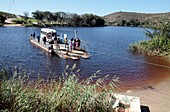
(109, 49)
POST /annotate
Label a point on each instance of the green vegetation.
(26, 16)
(68, 19)
(19, 21)
(2, 20)
(47, 18)
(85, 20)
(158, 43)
(132, 22)
(1, 24)
(7, 15)
(68, 94)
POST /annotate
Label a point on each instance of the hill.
(7, 15)
(135, 19)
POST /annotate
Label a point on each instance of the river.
(109, 49)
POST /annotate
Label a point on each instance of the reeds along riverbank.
(158, 43)
(66, 94)
(152, 48)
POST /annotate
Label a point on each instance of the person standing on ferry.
(44, 40)
(78, 40)
(71, 46)
(74, 44)
(34, 34)
(38, 38)
(65, 41)
(67, 48)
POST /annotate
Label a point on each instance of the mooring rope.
(126, 58)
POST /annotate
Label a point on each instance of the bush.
(69, 93)
(1, 24)
(159, 43)
(19, 21)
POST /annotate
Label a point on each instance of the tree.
(2, 19)
(70, 19)
(38, 15)
(123, 22)
(93, 22)
(26, 14)
(62, 15)
(48, 15)
(55, 16)
(76, 19)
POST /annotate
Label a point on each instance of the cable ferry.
(51, 42)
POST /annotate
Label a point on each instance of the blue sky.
(98, 7)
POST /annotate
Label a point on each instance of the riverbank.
(156, 98)
(12, 25)
(154, 49)
(36, 25)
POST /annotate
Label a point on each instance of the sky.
(97, 7)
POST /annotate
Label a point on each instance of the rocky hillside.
(135, 19)
(7, 15)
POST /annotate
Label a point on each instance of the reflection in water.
(109, 49)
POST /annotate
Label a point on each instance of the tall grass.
(158, 43)
(67, 94)
(157, 46)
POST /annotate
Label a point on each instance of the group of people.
(74, 43)
(38, 37)
(53, 40)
